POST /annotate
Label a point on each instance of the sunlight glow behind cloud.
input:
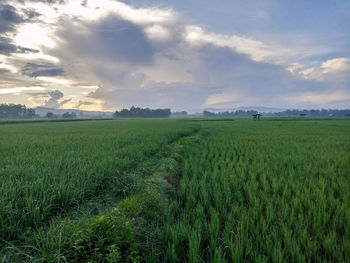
(20, 90)
(33, 36)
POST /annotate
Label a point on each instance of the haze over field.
(104, 55)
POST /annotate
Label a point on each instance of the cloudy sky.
(109, 54)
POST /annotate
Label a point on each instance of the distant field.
(176, 191)
(18, 121)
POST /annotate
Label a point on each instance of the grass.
(23, 121)
(176, 191)
(259, 191)
(47, 169)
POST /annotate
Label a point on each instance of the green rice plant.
(264, 192)
(50, 169)
(246, 191)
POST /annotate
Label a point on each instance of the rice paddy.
(48, 168)
(274, 190)
(264, 192)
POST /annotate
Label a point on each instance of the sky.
(185, 55)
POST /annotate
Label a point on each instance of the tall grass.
(246, 191)
(47, 169)
(258, 191)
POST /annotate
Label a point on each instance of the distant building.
(302, 114)
(256, 116)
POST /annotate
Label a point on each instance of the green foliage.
(146, 191)
(107, 238)
(16, 111)
(48, 169)
(50, 115)
(263, 192)
(116, 235)
(136, 112)
(68, 115)
(234, 114)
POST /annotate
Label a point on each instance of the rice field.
(46, 169)
(264, 191)
(274, 190)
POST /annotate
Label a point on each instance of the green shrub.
(107, 238)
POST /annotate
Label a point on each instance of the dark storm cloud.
(7, 47)
(42, 70)
(9, 18)
(237, 73)
(111, 39)
(222, 66)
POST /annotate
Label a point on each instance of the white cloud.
(257, 50)
(157, 32)
(334, 70)
(221, 99)
(320, 99)
(20, 90)
(336, 65)
(4, 64)
(34, 56)
(55, 80)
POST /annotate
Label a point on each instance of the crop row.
(47, 169)
(264, 192)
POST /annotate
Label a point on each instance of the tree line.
(226, 114)
(314, 113)
(19, 111)
(286, 113)
(16, 111)
(65, 115)
(136, 112)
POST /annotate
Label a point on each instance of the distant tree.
(16, 111)
(51, 115)
(68, 115)
(208, 114)
(136, 112)
(314, 113)
(240, 113)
